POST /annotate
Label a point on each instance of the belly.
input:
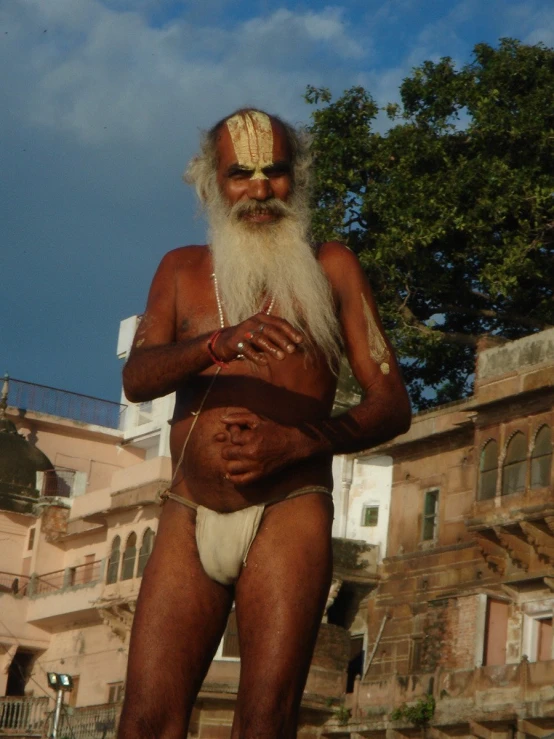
(200, 476)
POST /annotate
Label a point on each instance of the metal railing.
(90, 721)
(11, 582)
(23, 714)
(32, 397)
(70, 577)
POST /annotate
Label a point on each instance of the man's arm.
(384, 411)
(259, 446)
(158, 364)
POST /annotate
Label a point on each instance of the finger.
(280, 324)
(240, 467)
(253, 354)
(244, 478)
(239, 435)
(241, 418)
(221, 436)
(231, 454)
(274, 340)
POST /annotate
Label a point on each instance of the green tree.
(451, 211)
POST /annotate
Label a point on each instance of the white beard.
(255, 263)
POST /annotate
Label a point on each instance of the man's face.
(253, 165)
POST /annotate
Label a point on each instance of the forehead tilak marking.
(252, 138)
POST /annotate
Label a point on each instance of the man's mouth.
(255, 213)
(261, 216)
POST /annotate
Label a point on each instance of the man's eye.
(276, 171)
(240, 174)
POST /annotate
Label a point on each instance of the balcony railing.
(93, 721)
(43, 399)
(70, 577)
(23, 715)
(89, 573)
(10, 582)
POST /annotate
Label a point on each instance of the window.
(488, 470)
(231, 637)
(113, 561)
(87, 571)
(496, 632)
(64, 482)
(58, 482)
(129, 556)
(541, 458)
(145, 551)
(115, 692)
(513, 474)
(544, 639)
(430, 515)
(356, 662)
(72, 700)
(370, 515)
(537, 635)
(31, 542)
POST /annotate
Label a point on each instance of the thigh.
(280, 597)
(180, 617)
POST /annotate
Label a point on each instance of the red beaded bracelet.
(213, 356)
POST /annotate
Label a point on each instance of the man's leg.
(280, 597)
(180, 618)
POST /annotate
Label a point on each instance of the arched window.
(129, 557)
(145, 551)
(513, 474)
(541, 458)
(488, 470)
(113, 561)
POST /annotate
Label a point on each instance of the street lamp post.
(61, 683)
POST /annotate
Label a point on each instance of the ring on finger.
(240, 346)
(249, 335)
(260, 328)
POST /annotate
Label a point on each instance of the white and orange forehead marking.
(252, 138)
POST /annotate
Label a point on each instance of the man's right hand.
(256, 338)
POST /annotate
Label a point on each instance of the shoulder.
(186, 256)
(338, 261)
(183, 260)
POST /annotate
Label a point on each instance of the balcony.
(29, 396)
(517, 537)
(65, 595)
(22, 716)
(485, 702)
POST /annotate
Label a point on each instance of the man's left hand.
(256, 446)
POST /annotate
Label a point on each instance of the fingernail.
(290, 348)
(279, 355)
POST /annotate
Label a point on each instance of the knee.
(148, 722)
(274, 715)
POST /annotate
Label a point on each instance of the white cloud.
(100, 74)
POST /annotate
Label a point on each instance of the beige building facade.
(443, 587)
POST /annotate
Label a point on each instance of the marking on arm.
(378, 349)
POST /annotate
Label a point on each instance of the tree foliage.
(451, 210)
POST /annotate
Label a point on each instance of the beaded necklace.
(267, 311)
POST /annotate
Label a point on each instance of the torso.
(298, 389)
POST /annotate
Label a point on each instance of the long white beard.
(255, 262)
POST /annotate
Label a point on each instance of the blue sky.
(102, 102)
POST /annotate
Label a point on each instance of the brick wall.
(54, 522)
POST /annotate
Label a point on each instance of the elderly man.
(248, 331)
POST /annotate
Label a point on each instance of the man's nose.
(260, 188)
